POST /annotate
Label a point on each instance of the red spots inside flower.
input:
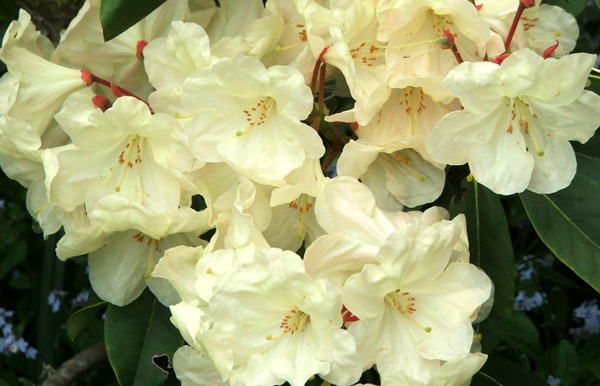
(139, 49)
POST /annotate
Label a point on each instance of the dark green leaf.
(134, 334)
(118, 15)
(523, 336)
(8, 10)
(491, 249)
(574, 7)
(17, 252)
(509, 373)
(565, 362)
(567, 221)
(598, 3)
(80, 319)
(481, 379)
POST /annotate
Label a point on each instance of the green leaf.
(567, 221)
(598, 3)
(491, 249)
(574, 7)
(136, 333)
(8, 10)
(565, 362)
(523, 336)
(117, 16)
(508, 373)
(481, 379)
(80, 319)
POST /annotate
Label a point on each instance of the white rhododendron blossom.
(250, 165)
(517, 121)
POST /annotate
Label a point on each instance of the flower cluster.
(9, 343)
(115, 141)
(589, 314)
(528, 303)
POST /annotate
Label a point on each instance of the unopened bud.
(549, 52)
(528, 3)
(500, 58)
(139, 49)
(101, 102)
(86, 76)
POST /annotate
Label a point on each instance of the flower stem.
(513, 27)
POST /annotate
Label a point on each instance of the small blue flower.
(81, 298)
(7, 329)
(22, 345)
(553, 381)
(54, 299)
(31, 353)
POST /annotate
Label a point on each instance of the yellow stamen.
(596, 70)
(279, 48)
(262, 109)
(179, 116)
(38, 211)
(404, 162)
(594, 76)
(478, 337)
(529, 127)
(556, 34)
(303, 210)
(441, 41)
(150, 260)
(287, 328)
(133, 145)
(211, 272)
(470, 177)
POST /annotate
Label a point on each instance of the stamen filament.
(442, 41)
(127, 165)
(279, 48)
(150, 260)
(530, 130)
(594, 76)
(556, 34)
(39, 210)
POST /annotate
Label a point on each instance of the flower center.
(130, 156)
(302, 204)
(257, 115)
(153, 246)
(405, 303)
(521, 112)
(291, 323)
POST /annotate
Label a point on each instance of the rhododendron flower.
(249, 117)
(517, 121)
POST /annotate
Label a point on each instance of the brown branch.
(80, 364)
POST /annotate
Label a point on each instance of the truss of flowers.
(114, 139)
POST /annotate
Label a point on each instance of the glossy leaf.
(491, 249)
(574, 7)
(523, 336)
(481, 379)
(136, 333)
(80, 319)
(506, 373)
(567, 221)
(117, 16)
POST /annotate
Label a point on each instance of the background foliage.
(542, 252)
